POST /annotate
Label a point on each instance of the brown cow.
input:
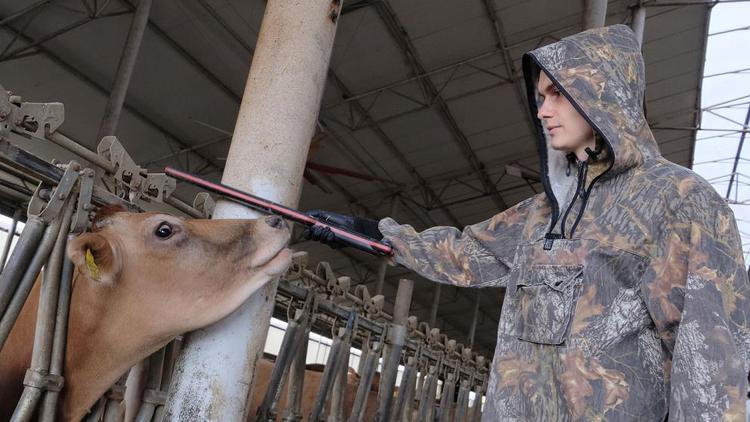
(155, 276)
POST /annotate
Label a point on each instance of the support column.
(639, 22)
(594, 13)
(474, 319)
(271, 139)
(124, 70)
(435, 304)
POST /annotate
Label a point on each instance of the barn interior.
(423, 116)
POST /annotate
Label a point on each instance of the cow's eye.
(163, 231)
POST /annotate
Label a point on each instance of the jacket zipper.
(550, 237)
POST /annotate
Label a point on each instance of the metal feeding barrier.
(58, 199)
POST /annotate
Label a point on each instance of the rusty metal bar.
(295, 382)
(446, 398)
(405, 391)
(427, 400)
(365, 382)
(289, 345)
(462, 402)
(335, 355)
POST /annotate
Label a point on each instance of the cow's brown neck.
(96, 356)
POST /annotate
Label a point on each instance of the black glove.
(363, 226)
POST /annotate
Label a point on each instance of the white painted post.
(267, 156)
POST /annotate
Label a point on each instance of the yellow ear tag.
(93, 269)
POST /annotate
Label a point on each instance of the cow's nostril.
(274, 221)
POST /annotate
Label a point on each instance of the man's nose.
(543, 112)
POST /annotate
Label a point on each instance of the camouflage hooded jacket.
(635, 305)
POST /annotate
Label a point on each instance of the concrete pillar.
(271, 139)
(639, 22)
(124, 70)
(594, 13)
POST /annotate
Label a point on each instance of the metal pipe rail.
(445, 360)
(288, 289)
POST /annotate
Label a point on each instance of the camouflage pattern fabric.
(641, 312)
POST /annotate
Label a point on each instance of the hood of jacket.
(601, 72)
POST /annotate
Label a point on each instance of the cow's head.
(165, 275)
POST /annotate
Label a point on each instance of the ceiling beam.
(388, 142)
(104, 91)
(510, 68)
(397, 31)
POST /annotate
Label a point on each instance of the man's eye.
(164, 231)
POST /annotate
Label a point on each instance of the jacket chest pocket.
(545, 298)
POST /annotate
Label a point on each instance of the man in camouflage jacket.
(626, 292)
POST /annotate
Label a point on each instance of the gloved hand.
(363, 226)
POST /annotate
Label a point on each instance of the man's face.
(568, 130)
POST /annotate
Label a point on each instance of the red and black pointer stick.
(265, 206)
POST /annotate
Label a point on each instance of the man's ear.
(96, 257)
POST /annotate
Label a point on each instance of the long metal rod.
(11, 236)
(19, 261)
(414, 78)
(737, 156)
(403, 403)
(365, 382)
(435, 304)
(49, 404)
(474, 318)
(446, 398)
(326, 380)
(462, 402)
(296, 380)
(125, 70)
(427, 400)
(286, 352)
(23, 12)
(47, 312)
(43, 335)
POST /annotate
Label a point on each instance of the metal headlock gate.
(61, 197)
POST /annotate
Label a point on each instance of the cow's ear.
(96, 257)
